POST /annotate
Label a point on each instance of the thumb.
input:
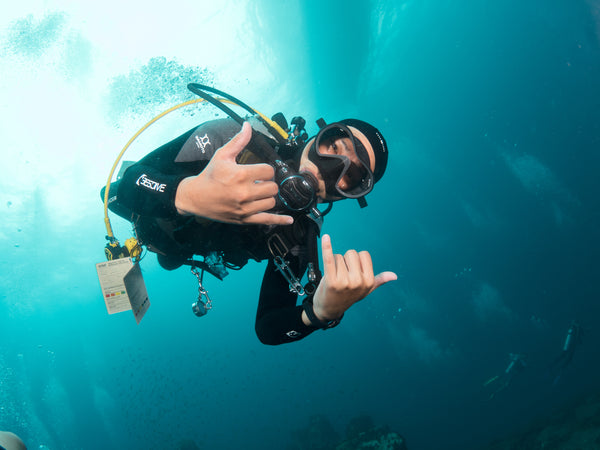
(238, 143)
(383, 278)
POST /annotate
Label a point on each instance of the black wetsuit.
(145, 195)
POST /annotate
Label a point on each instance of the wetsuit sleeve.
(149, 186)
(278, 318)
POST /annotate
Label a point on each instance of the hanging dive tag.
(136, 291)
(123, 287)
(111, 274)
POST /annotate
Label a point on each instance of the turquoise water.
(488, 212)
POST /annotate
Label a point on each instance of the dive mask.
(342, 176)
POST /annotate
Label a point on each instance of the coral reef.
(361, 434)
(376, 438)
(319, 434)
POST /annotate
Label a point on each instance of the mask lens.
(344, 162)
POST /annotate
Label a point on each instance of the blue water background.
(488, 213)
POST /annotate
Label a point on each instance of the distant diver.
(500, 382)
(572, 340)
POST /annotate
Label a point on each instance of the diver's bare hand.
(346, 280)
(226, 191)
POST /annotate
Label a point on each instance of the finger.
(260, 172)
(259, 206)
(366, 266)
(366, 262)
(230, 150)
(384, 277)
(327, 255)
(265, 190)
(264, 218)
(341, 269)
(352, 262)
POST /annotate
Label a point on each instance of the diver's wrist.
(184, 202)
(310, 317)
(323, 314)
(179, 201)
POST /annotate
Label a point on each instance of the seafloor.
(573, 427)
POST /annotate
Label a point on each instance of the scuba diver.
(232, 190)
(500, 382)
(572, 341)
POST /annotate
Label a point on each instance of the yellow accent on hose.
(135, 136)
(274, 124)
(109, 231)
